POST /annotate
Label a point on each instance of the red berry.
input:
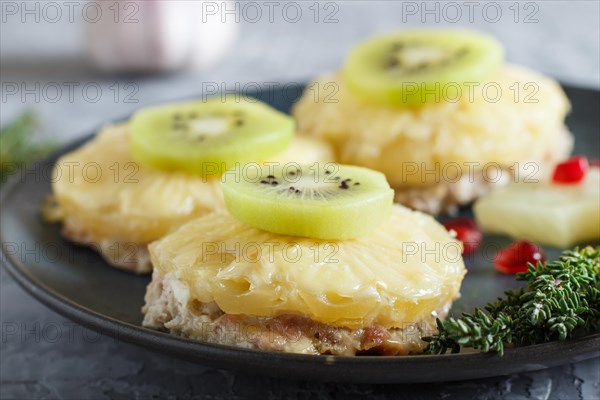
(514, 257)
(467, 232)
(571, 171)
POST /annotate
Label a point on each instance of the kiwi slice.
(322, 201)
(414, 67)
(208, 137)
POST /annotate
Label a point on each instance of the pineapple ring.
(103, 193)
(399, 274)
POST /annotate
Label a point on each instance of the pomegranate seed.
(467, 232)
(571, 171)
(514, 257)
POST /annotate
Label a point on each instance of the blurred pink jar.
(158, 36)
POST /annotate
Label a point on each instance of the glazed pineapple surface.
(103, 193)
(516, 116)
(399, 274)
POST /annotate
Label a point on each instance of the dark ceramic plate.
(77, 283)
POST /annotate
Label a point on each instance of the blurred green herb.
(17, 147)
(561, 300)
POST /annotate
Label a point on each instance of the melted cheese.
(407, 268)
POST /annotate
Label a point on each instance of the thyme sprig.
(561, 300)
(18, 147)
